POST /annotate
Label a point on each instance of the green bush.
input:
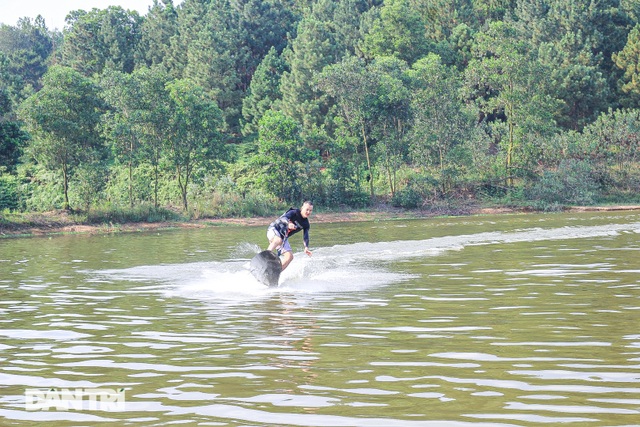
(141, 213)
(572, 183)
(417, 189)
(408, 198)
(9, 192)
(44, 191)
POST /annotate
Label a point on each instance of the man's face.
(306, 210)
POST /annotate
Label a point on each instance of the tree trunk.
(366, 151)
(65, 186)
(131, 184)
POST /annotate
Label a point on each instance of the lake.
(507, 320)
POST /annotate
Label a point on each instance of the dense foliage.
(237, 108)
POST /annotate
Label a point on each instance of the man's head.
(306, 209)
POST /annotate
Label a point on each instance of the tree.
(155, 120)
(349, 83)
(507, 86)
(12, 137)
(574, 39)
(190, 24)
(615, 147)
(441, 125)
(27, 48)
(628, 60)
(282, 155)
(267, 25)
(314, 48)
(215, 57)
(159, 25)
(63, 119)
(487, 11)
(102, 39)
(343, 18)
(391, 114)
(396, 29)
(122, 119)
(194, 139)
(263, 91)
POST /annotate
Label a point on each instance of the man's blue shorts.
(271, 233)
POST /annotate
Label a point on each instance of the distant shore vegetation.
(217, 109)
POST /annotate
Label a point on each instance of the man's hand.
(307, 251)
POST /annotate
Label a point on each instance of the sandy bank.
(58, 223)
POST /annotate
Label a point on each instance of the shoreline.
(59, 227)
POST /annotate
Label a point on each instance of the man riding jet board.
(266, 266)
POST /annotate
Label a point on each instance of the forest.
(218, 108)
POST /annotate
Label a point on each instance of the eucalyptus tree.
(391, 114)
(136, 124)
(282, 157)
(442, 126)
(373, 101)
(155, 118)
(63, 119)
(194, 139)
(350, 84)
(122, 120)
(508, 87)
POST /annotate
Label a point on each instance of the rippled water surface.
(514, 320)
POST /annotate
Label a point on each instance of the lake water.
(511, 320)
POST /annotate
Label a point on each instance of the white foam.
(341, 268)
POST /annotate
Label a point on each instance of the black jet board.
(266, 267)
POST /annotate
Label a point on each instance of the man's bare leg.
(274, 243)
(287, 257)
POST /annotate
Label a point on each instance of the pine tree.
(190, 24)
(263, 91)
(27, 48)
(314, 48)
(343, 19)
(215, 60)
(266, 25)
(160, 24)
(574, 39)
(628, 60)
(102, 38)
(395, 29)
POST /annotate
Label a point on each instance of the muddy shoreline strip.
(57, 225)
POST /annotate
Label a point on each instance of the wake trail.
(340, 268)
